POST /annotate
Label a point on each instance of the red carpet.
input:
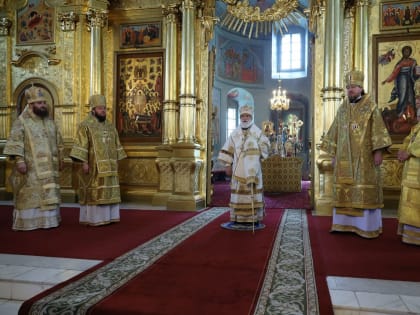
(281, 200)
(215, 271)
(72, 240)
(348, 255)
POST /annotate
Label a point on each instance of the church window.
(289, 54)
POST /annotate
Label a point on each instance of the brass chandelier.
(242, 17)
(279, 101)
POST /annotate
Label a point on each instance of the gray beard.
(246, 125)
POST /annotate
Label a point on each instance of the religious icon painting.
(141, 35)
(396, 15)
(35, 23)
(139, 96)
(395, 74)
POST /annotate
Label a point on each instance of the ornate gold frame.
(390, 17)
(139, 93)
(34, 27)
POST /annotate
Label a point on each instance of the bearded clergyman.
(36, 147)
(356, 141)
(242, 154)
(98, 149)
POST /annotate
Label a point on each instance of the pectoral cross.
(105, 137)
(354, 126)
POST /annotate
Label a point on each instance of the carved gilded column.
(187, 88)
(361, 33)
(186, 162)
(170, 103)
(170, 109)
(332, 95)
(96, 19)
(5, 97)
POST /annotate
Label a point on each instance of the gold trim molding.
(5, 25)
(32, 53)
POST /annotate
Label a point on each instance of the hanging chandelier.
(245, 18)
(279, 101)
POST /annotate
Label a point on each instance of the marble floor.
(358, 296)
(22, 277)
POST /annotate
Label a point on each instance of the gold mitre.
(35, 94)
(97, 100)
(246, 109)
(355, 77)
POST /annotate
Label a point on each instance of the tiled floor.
(22, 277)
(357, 296)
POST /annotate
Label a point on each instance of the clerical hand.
(85, 168)
(377, 157)
(228, 170)
(21, 167)
(403, 155)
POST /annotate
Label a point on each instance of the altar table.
(282, 174)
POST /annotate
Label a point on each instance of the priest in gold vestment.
(409, 206)
(356, 141)
(36, 147)
(241, 155)
(98, 148)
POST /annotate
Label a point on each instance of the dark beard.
(355, 99)
(40, 112)
(99, 118)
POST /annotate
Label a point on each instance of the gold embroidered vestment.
(97, 143)
(409, 206)
(356, 132)
(38, 142)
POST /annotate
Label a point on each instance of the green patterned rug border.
(78, 296)
(289, 286)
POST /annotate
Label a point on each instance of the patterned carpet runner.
(77, 297)
(288, 288)
(289, 285)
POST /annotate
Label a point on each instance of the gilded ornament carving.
(96, 18)
(348, 44)
(392, 173)
(138, 172)
(241, 14)
(166, 175)
(3, 69)
(5, 25)
(144, 4)
(68, 21)
(28, 54)
(314, 15)
(4, 122)
(68, 123)
(171, 12)
(208, 22)
(186, 176)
